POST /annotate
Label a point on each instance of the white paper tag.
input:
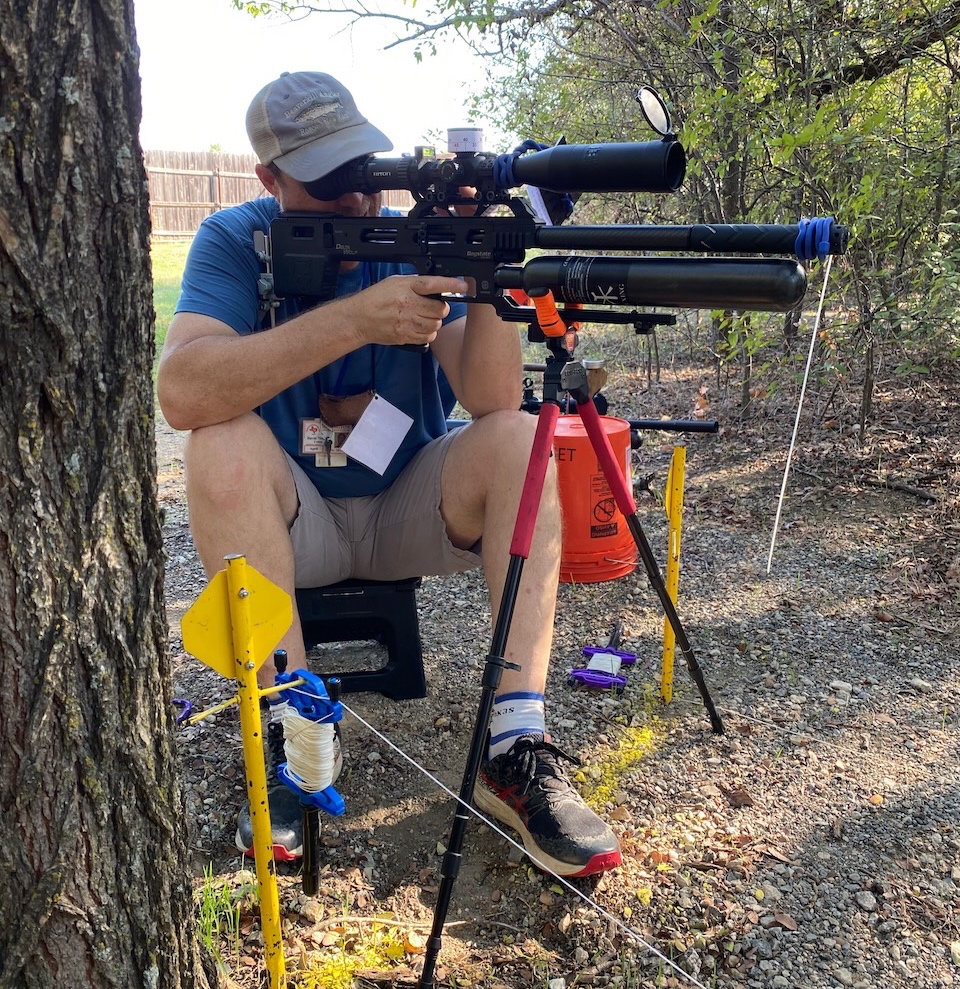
(378, 435)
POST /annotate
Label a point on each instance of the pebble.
(866, 901)
(311, 910)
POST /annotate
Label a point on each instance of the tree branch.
(528, 11)
(919, 35)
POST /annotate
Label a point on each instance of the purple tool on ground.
(602, 670)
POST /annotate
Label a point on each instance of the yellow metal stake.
(232, 627)
(673, 503)
(251, 727)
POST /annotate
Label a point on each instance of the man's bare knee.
(232, 463)
(495, 441)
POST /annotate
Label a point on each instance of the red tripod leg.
(533, 482)
(493, 669)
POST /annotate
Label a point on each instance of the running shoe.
(527, 789)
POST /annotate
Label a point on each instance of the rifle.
(308, 248)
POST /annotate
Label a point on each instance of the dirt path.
(815, 843)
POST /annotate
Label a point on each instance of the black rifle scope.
(758, 284)
(640, 166)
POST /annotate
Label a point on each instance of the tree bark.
(92, 838)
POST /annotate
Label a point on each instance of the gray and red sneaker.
(527, 789)
(286, 812)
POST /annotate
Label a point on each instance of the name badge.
(325, 442)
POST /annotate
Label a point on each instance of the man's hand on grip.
(403, 309)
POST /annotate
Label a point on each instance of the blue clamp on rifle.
(311, 701)
(602, 671)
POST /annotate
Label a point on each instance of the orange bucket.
(597, 545)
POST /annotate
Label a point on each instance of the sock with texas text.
(515, 714)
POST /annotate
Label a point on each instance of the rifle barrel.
(677, 425)
(737, 238)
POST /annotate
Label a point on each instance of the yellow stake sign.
(208, 628)
(233, 626)
(673, 503)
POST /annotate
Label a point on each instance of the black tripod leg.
(492, 672)
(626, 504)
(311, 849)
(656, 579)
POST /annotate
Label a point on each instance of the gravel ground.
(815, 843)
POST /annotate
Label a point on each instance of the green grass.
(167, 259)
(218, 911)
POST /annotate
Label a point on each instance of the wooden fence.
(187, 186)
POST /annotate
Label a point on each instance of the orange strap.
(547, 315)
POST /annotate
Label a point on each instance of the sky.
(202, 62)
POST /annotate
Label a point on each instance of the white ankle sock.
(516, 714)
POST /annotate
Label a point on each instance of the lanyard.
(345, 361)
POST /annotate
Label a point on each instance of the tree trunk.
(791, 328)
(92, 838)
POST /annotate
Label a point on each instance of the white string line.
(573, 889)
(796, 424)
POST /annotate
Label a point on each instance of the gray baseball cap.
(307, 124)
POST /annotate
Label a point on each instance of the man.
(267, 395)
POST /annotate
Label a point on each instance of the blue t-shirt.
(220, 280)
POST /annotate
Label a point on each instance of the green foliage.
(380, 946)
(263, 7)
(785, 112)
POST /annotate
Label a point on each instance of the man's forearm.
(216, 377)
(490, 363)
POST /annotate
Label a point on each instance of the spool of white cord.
(309, 747)
(605, 662)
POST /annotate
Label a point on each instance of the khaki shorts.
(392, 535)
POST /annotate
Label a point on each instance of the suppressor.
(756, 284)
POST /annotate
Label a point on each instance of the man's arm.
(208, 373)
(481, 356)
